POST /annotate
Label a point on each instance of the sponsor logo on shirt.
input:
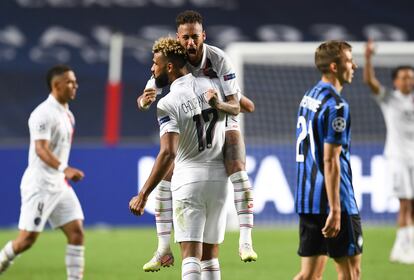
(229, 76)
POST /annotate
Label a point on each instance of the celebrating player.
(208, 61)
(192, 133)
(397, 106)
(329, 217)
(46, 195)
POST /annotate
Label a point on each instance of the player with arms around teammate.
(46, 195)
(329, 218)
(192, 138)
(397, 106)
(208, 61)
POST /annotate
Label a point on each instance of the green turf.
(120, 253)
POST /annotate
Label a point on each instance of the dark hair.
(188, 16)
(396, 70)
(329, 52)
(171, 50)
(56, 70)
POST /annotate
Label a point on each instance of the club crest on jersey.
(163, 120)
(339, 124)
(229, 76)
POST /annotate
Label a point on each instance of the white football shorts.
(232, 122)
(401, 178)
(199, 212)
(59, 208)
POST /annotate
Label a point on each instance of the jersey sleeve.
(167, 119)
(227, 76)
(336, 122)
(40, 126)
(151, 84)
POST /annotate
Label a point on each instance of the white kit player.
(208, 61)
(45, 194)
(397, 106)
(192, 136)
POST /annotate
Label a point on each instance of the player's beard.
(162, 79)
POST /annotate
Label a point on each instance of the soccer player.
(329, 218)
(208, 61)
(46, 195)
(192, 134)
(397, 106)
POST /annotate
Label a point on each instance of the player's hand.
(73, 174)
(137, 204)
(212, 98)
(332, 225)
(148, 97)
(369, 48)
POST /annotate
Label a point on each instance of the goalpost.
(275, 76)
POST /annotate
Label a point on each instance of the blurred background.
(36, 34)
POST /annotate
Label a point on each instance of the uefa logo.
(339, 124)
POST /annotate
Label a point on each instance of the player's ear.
(177, 36)
(170, 67)
(333, 67)
(204, 35)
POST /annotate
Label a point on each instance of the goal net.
(275, 76)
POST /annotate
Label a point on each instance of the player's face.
(346, 67)
(191, 37)
(66, 86)
(159, 70)
(404, 81)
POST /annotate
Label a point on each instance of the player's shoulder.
(43, 110)
(215, 53)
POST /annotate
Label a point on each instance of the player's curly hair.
(188, 16)
(172, 50)
(329, 52)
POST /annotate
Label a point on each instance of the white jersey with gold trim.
(398, 111)
(184, 110)
(53, 122)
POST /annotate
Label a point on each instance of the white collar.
(52, 100)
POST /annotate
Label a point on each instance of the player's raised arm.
(369, 73)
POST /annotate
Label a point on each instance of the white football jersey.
(214, 64)
(184, 110)
(53, 122)
(398, 111)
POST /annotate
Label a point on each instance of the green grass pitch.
(120, 253)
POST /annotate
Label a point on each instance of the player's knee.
(76, 237)
(23, 243)
(233, 166)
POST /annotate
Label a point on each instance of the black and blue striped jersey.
(323, 117)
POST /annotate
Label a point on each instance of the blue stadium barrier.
(114, 174)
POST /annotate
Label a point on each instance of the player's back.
(323, 117)
(186, 111)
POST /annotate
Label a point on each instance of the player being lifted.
(192, 135)
(397, 106)
(208, 61)
(329, 218)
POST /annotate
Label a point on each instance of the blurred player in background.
(397, 106)
(46, 195)
(208, 61)
(192, 133)
(329, 217)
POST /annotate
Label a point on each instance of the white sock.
(243, 200)
(191, 269)
(210, 270)
(75, 261)
(8, 251)
(163, 215)
(410, 231)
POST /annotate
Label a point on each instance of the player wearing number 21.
(192, 136)
(329, 218)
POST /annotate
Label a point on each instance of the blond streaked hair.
(172, 50)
